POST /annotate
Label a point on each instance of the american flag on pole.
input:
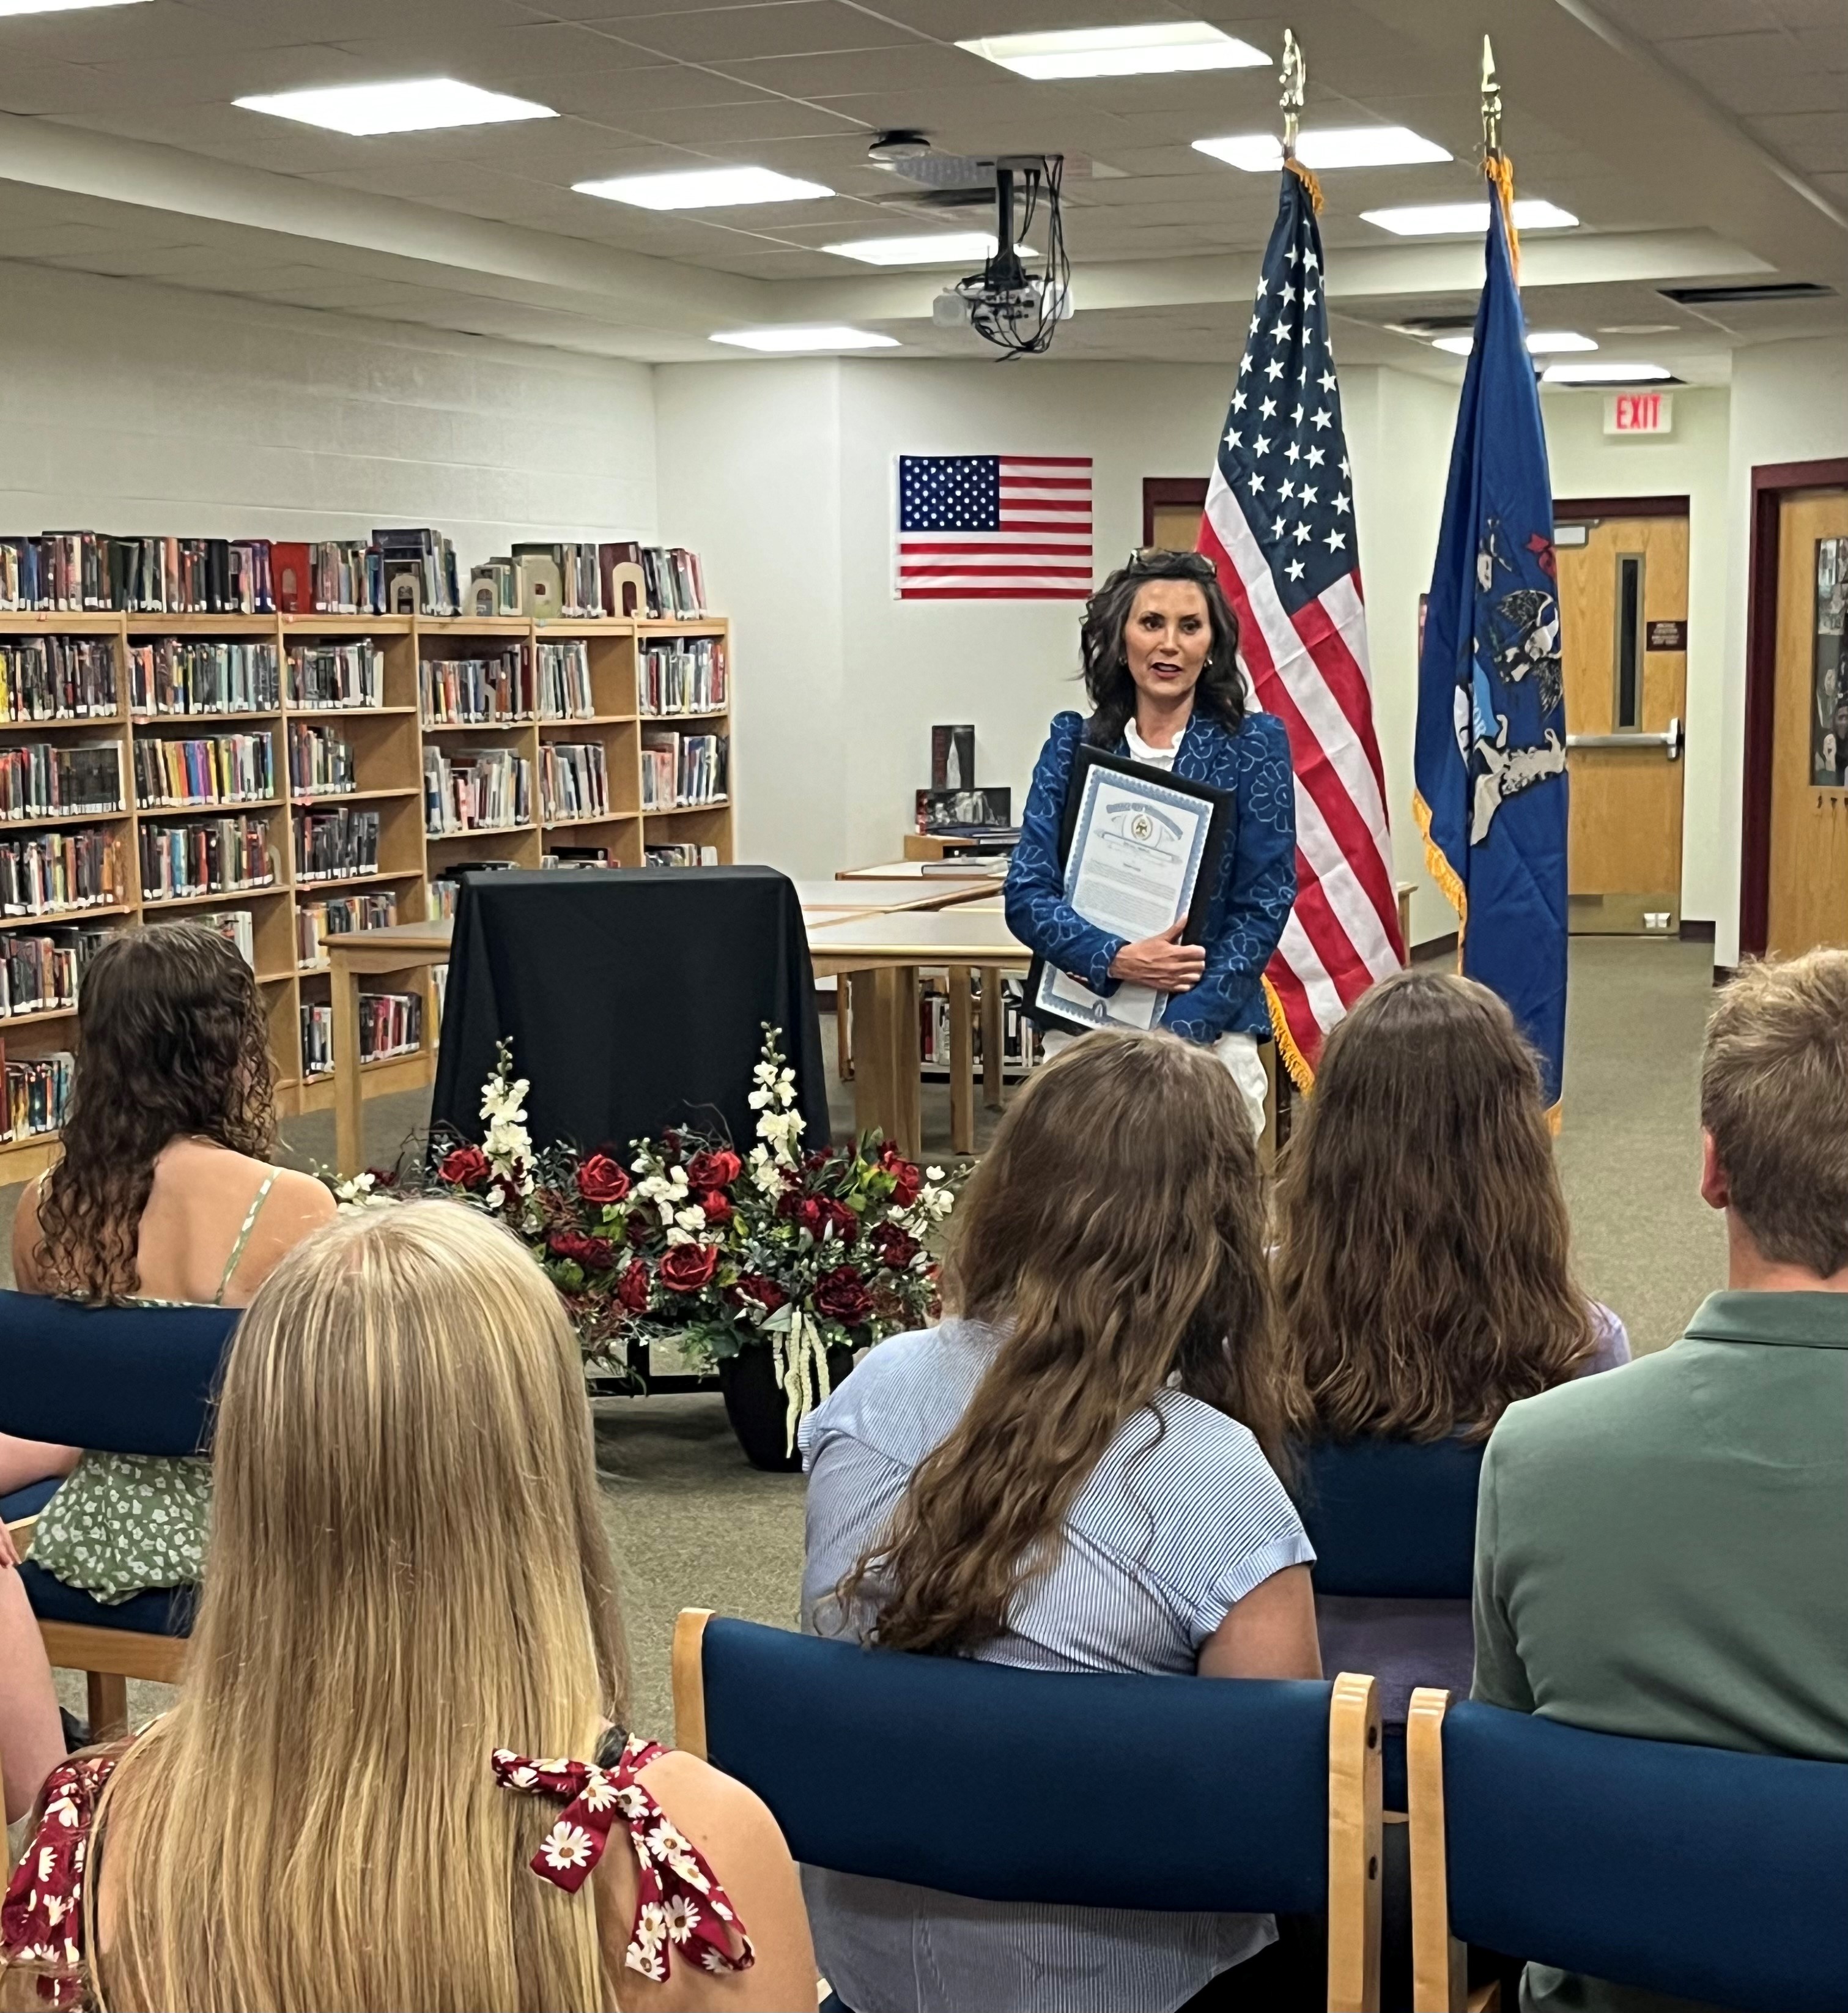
(993, 528)
(1279, 527)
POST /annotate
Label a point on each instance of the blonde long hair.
(407, 1569)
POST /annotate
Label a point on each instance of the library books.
(568, 859)
(328, 576)
(45, 779)
(687, 676)
(184, 674)
(680, 769)
(1019, 1039)
(675, 581)
(214, 769)
(336, 677)
(339, 915)
(321, 762)
(573, 781)
(37, 1092)
(419, 570)
(39, 973)
(477, 692)
(53, 872)
(76, 572)
(391, 1024)
(317, 1038)
(492, 790)
(205, 857)
(682, 855)
(236, 926)
(334, 845)
(445, 889)
(559, 580)
(494, 589)
(564, 682)
(57, 677)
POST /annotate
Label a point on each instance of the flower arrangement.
(796, 1253)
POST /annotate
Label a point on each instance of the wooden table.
(353, 955)
(881, 955)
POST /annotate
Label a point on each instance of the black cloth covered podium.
(634, 999)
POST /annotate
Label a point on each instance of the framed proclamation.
(1141, 850)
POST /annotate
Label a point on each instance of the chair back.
(1700, 1872)
(1005, 1785)
(119, 1380)
(1394, 1520)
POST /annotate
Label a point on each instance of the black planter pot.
(759, 1411)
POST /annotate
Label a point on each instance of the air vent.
(1426, 326)
(1772, 290)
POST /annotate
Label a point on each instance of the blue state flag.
(1490, 762)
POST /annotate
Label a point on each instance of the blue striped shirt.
(1181, 1519)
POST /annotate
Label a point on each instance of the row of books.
(1019, 1037)
(477, 692)
(480, 792)
(55, 871)
(574, 579)
(687, 677)
(47, 779)
(564, 682)
(40, 974)
(214, 769)
(205, 857)
(57, 677)
(391, 1024)
(683, 769)
(573, 781)
(321, 761)
(330, 845)
(236, 926)
(336, 677)
(185, 674)
(38, 1093)
(339, 915)
(681, 856)
(675, 582)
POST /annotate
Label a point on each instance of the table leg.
(907, 1043)
(844, 1026)
(349, 1119)
(991, 1037)
(872, 1091)
(962, 1062)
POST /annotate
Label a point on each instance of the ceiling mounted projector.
(1006, 304)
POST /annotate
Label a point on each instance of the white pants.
(1239, 1053)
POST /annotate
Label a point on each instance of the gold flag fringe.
(1442, 871)
(1500, 171)
(1291, 1057)
(1306, 177)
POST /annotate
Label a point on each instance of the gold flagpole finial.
(1291, 77)
(1492, 102)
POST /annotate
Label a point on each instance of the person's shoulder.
(893, 1378)
(1193, 1439)
(1587, 1415)
(298, 1202)
(700, 1798)
(1067, 730)
(1262, 736)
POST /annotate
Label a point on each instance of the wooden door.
(1177, 526)
(1808, 892)
(1622, 594)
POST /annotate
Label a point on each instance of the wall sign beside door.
(1664, 634)
(1829, 727)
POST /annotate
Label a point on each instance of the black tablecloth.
(634, 999)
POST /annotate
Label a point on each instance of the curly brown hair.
(1114, 1233)
(171, 1044)
(1423, 1262)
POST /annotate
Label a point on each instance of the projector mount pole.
(1005, 269)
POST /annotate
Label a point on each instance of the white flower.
(672, 1850)
(47, 1860)
(56, 1907)
(933, 1173)
(709, 1960)
(492, 1199)
(758, 1100)
(567, 1845)
(632, 1802)
(651, 1928)
(678, 1236)
(680, 1918)
(691, 1218)
(599, 1791)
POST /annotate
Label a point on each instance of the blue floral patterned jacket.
(1257, 873)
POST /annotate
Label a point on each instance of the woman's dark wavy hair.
(171, 1044)
(1221, 691)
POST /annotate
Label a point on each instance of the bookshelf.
(338, 815)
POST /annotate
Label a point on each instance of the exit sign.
(1639, 413)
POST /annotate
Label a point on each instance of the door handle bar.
(1672, 739)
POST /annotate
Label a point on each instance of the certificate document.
(1137, 841)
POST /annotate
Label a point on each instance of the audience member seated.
(1423, 1267)
(163, 1196)
(409, 1618)
(1664, 1555)
(1074, 1473)
(32, 1735)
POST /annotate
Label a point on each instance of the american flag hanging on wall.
(993, 528)
(1279, 525)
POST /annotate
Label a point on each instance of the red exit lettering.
(1639, 412)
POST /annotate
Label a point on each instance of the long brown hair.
(171, 1042)
(408, 1569)
(1424, 1267)
(1114, 1233)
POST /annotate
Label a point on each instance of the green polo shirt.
(1662, 1551)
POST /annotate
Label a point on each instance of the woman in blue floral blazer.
(1161, 669)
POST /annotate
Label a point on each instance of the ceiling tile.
(1808, 140)
(1755, 73)
(782, 28)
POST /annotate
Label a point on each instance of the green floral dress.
(125, 1522)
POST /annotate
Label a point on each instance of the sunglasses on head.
(1153, 562)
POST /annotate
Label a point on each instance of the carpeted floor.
(695, 1526)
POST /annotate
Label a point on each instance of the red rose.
(632, 1288)
(688, 1267)
(894, 1246)
(907, 1179)
(594, 1254)
(804, 1211)
(841, 1295)
(754, 1286)
(464, 1167)
(601, 1181)
(718, 1210)
(718, 1169)
(641, 1224)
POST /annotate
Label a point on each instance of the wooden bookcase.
(388, 741)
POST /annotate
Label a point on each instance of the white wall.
(128, 407)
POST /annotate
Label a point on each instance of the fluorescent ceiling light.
(936, 247)
(1458, 219)
(832, 336)
(57, 6)
(415, 105)
(1142, 51)
(1602, 374)
(1334, 147)
(1542, 342)
(704, 188)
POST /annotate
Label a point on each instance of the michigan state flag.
(1490, 762)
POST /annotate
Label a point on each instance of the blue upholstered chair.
(119, 1380)
(1696, 1872)
(1266, 1796)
